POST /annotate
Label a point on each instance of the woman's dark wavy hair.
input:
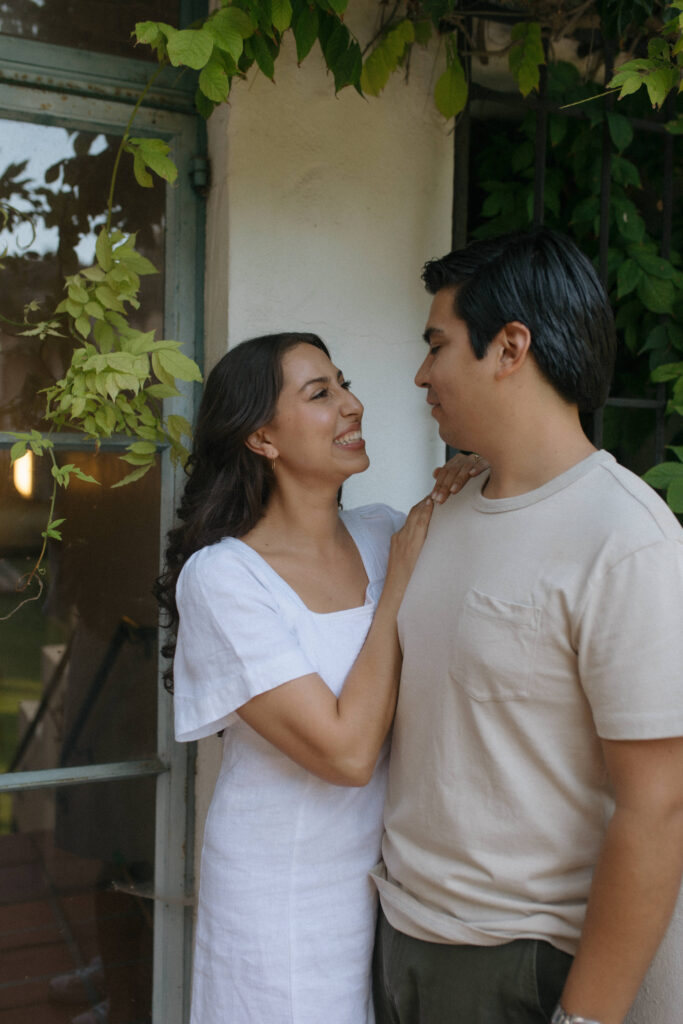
(228, 485)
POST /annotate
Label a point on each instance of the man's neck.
(531, 456)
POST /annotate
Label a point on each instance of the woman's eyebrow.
(321, 380)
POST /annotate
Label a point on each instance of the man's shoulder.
(625, 504)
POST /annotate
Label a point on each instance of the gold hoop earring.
(272, 465)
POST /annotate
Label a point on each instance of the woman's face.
(317, 424)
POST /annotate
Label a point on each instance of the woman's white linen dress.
(286, 910)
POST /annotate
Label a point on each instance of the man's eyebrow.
(429, 332)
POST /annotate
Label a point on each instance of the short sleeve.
(631, 645)
(234, 642)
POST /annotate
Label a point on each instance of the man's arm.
(636, 880)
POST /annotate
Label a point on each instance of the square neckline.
(283, 584)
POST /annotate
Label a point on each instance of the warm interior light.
(23, 474)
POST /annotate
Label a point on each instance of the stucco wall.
(322, 211)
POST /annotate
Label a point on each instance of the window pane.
(71, 877)
(54, 184)
(79, 665)
(100, 25)
(78, 673)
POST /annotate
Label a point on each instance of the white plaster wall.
(323, 210)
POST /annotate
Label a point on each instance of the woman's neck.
(297, 519)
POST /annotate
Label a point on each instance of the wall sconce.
(22, 472)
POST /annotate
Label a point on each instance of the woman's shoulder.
(228, 563)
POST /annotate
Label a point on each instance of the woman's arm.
(339, 738)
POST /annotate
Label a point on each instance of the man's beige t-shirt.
(532, 626)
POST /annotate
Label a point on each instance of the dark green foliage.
(646, 290)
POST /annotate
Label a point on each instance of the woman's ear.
(514, 342)
(258, 443)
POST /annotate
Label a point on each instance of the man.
(534, 820)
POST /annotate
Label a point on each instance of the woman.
(285, 610)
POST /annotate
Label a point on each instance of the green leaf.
(191, 47)
(281, 14)
(17, 450)
(179, 366)
(82, 325)
(305, 30)
(104, 336)
(423, 31)
(666, 372)
(660, 83)
(628, 278)
(77, 293)
(213, 80)
(93, 274)
(386, 57)
(162, 391)
(142, 448)
(263, 56)
(226, 37)
(557, 129)
(108, 298)
(651, 262)
(375, 73)
(677, 450)
(131, 477)
(585, 211)
(450, 94)
(526, 55)
(657, 339)
(135, 261)
(154, 154)
(675, 126)
(103, 250)
(152, 32)
(347, 70)
(126, 381)
(178, 427)
(674, 496)
(624, 172)
(664, 474)
(620, 130)
(656, 293)
(629, 222)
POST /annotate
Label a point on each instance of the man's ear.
(513, 341)
(258, 442)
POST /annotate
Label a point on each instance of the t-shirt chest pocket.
(494, 648)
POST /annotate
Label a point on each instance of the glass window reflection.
(103, 26)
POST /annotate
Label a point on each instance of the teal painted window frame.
(52, 85)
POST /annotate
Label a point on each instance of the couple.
(533, 840)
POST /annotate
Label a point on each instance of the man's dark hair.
(541, 279)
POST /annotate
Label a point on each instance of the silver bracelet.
(561, 1016)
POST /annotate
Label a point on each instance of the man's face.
(458, 384)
